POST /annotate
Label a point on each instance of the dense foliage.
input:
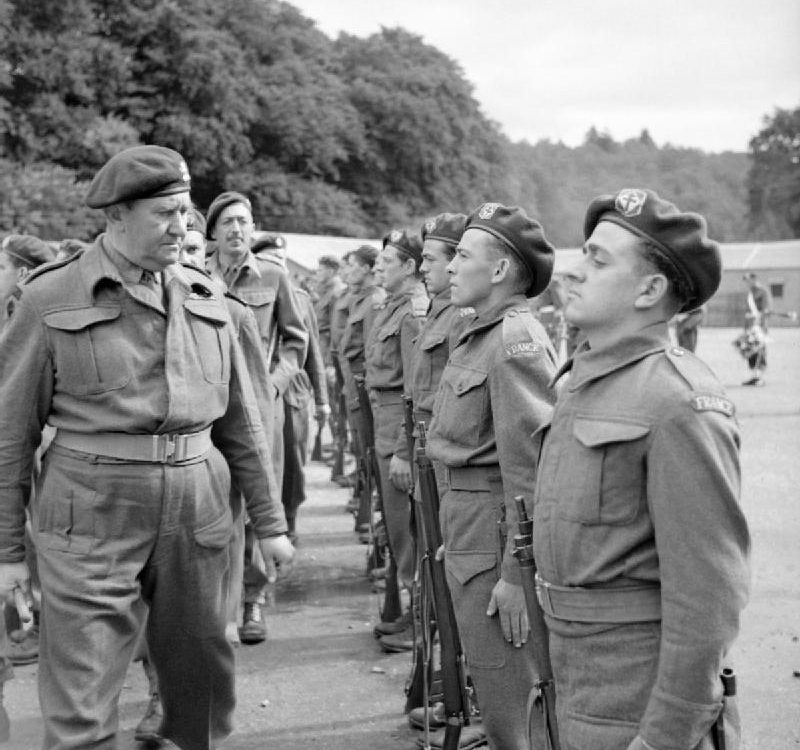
(347, 136)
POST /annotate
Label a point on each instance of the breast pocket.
(211, 336)
(604, 472)
(436, 351)
(91, 356)
(262, 303)
(386, 348)
(463, 406)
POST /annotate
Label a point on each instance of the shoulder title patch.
(713, 403)
(523, 347)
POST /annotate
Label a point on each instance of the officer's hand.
(637, 743)
(276, 549)
(508, 599)
(15, 584)
(400, 474)
(322, 412)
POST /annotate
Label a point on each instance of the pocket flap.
(80, 317)
(592, 432)
(216, 534)
(464, 566)
(433, 339)
(463, 379)
(257, 297)
(208, 309)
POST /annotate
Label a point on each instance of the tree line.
(345, 136)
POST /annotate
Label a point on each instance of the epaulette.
(519, 333)
(466, 312)
(51, 266)
(420, 305)
(707, 393)
(271, 257)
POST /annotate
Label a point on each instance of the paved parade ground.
(320, 680)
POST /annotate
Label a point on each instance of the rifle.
(417, 687)
(392, 607)
(340, 436)
(455, 690)
(542, 725)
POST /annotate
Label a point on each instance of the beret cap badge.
(430, 225)
(630, 202)
(487, 210)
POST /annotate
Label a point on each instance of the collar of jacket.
(589, 364)
(362, 293)
(493, 316)
(396, 300)
(231, 274)
(439, 303)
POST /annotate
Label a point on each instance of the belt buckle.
(169, 448)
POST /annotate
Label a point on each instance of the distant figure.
(759, 300)
(752, 345)
(687, 326)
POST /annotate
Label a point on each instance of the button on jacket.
(263, 283)
(493, 395)
(72, 357)
(639, 485)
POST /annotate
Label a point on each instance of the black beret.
(28, 250)
(197, 222)
(682, 238)
(268, 241)
(219, 204)
(138, 172)
(522, 235)
(406, 242)
(446, 228)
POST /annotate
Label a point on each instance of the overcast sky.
(699, 73)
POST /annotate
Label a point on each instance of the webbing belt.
(160, 449)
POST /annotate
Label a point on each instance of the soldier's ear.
(652, 289)
(501, 270)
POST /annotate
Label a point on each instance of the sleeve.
(315, 362)
(292, 335)
(410, 327)
(26, 390)
(703, 546)
(522, 401)
(241, 437)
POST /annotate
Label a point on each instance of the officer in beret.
(19, 255)
(388, 362)
(131, 358)
(493, 394)
(262, 282)
(639, 538)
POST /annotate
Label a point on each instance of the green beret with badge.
(523, 236)
(139, 172)
(220, 203)
(447, 228)
(681, 238)
(406, 242)
(27, 250)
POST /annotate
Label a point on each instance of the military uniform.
(493, 393)
(309, 385)
(636, 510)
(155, 377)
(388, 359)
(639, 539)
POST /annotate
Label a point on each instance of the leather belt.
(600, 605)
(474, 478)
(167, 448)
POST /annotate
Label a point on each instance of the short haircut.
(679, 288)
(519, 273)
(365, 255)
(404, 256)
(329, 261)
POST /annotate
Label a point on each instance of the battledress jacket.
(493, 395)
(638, 485)
(83, 352)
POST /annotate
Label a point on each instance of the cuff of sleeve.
(671, 723)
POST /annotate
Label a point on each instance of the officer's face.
(233, 230)
(193, 249)
(153, 230)
(357, 272)
(436, 256)
(472, 269)
(9, 276)
(391, 270)
(603, 287)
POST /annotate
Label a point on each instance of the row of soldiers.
(163, 385)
